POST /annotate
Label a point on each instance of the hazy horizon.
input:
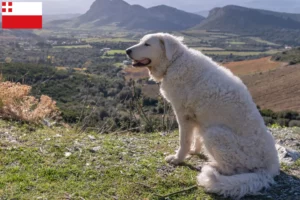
(81, 6)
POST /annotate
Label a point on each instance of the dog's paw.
(173, 159)
(195, 152)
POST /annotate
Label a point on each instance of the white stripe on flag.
(24, 8)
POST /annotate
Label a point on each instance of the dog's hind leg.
(222, 146)
(197, 144)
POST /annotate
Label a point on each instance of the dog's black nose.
(128, 51)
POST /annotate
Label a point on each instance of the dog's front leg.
(186, 136)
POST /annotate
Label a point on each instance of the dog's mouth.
(141, 63)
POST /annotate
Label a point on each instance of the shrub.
(291, 115)
(294, 123)
(15, 103)
(268, 113)
(268, 120)
(283, 122)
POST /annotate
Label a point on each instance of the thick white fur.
(214, 108)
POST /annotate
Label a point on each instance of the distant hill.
(158, 18)
(203, 13)
(274, 26)
(48, 18)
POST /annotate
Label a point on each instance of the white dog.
(214, 108)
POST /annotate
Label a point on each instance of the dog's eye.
(147, 45)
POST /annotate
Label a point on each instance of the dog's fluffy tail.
(235, 186)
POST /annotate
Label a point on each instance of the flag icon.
(22, 15)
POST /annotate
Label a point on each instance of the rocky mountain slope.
(105, 12)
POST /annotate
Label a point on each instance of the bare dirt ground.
(248, 67)
(278, 89)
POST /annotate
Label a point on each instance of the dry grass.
(15, 103)
(253, 66)
(136, 73)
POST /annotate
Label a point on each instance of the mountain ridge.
(278, 27)
(162, 17)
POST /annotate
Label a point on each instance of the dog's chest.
(173, 92)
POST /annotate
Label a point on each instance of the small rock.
(287, 156)
(95, 149)
(58, 135)
(68, 154)
(91, 137)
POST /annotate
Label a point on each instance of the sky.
(81, 6)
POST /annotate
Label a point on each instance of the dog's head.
(155, 51)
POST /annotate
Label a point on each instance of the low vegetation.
(291, 56)
(15, 103)
(284, 119)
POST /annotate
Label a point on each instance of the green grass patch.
(235, 42)
(126, 166)
(113, 40)
(73, 46)
(113, 52)
(118, 64)
(259, 40)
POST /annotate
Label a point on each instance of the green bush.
(294, 123)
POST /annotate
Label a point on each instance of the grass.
(235, 42)
(60, 163)
(113, 52)
(259, 40)
(36, 164)
(113, 40)
(73, 46)
(118, 64)
(209, 49)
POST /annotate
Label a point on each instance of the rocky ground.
(60, 163)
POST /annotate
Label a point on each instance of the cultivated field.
(240, 53)
(73, 46)
(253, 66)
(278, 89)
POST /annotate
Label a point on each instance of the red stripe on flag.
(22, 22)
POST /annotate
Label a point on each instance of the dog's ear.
(170, 44)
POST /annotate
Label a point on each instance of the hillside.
(61, 163)
(247, 67)
(273, 26)
(291, 56)
(277, 89)
(107, 12)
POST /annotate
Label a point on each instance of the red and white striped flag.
(22, 15)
